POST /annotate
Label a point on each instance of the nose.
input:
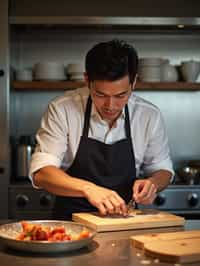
(109, 103)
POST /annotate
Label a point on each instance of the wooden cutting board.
(139, 241)
(176, 251)
(138, 219)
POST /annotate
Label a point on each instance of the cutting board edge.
(88, 219)
(83, 221)
(170, 259)
(138, 241)
(173, 258)
(117, 227)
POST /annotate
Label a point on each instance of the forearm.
(161, 179)
(58, 182)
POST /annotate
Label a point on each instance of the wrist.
(87, 188)
(153, 181)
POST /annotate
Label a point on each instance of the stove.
(179, 199)
(27, 202)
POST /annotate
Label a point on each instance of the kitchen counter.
(109, 248)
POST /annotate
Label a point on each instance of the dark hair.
(111, 61)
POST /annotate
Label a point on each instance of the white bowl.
(49, 71)
(151, 73)
(24, 74)
(77, 76)
(75, 68)
(150, 61)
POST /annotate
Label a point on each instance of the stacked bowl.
(49, 71)
(150, 69)
(75, 71)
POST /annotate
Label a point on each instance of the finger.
(149, 200)
(101, 209)
(120, 205)
(115, 204)
(149, 192)
(109, 206)
(137, 188)
(143, 193)
(150, 195)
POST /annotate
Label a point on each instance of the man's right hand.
(105, 200)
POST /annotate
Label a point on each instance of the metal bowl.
(189, 175)
(9, 232)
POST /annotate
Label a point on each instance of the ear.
(85, 77)
(134, 82)
(86, 80)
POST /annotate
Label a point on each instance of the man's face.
(110, 97)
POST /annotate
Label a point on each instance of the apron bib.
(107, 165)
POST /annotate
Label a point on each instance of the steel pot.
(189, 175)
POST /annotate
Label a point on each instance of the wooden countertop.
(110, 248)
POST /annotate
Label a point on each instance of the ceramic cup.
(190, 70)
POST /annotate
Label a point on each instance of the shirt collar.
(95, 114)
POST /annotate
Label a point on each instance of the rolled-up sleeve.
(157, 153)
(51, 140)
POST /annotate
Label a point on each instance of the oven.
(26, 202)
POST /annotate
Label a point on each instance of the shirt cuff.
(164, 165)
(40, 160)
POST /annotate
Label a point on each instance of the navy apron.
(107, 165)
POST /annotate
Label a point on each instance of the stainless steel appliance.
(4, 109)
(179, 199)
(24, 151)
(25, 202)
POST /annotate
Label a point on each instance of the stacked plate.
(75, 71)
(49, 71)
(150, 69)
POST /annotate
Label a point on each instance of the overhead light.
(180, 26)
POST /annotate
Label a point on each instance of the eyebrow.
(118, 94)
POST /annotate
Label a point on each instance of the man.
(94, 141)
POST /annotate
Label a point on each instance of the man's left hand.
(144, 191)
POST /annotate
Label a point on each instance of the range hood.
(180, 22)
(140, 13)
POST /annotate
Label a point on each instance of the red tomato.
(84, 234)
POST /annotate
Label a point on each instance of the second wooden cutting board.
(177, 251)
(139, 219)
(139, 241)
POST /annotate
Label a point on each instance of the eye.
(98, 94)
(120, 96)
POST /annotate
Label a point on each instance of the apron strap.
(127, 123)
(87, 119)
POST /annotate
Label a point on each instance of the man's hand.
(105, 200)
(144, 191)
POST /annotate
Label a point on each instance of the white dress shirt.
(61, 129)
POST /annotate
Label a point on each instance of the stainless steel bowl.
(189, 175)
(9, 232)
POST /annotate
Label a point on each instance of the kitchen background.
(36, 35)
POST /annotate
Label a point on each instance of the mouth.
(109, 112)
